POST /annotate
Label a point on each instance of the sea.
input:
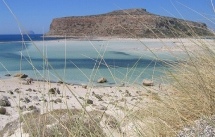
(120, 61)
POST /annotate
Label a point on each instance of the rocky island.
(130, 23)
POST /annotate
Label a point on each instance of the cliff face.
(126, 23)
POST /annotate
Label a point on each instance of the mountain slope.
(128, 23)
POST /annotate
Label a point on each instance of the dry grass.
(190, 97)
(68, 123)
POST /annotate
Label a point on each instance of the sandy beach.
(24, 97)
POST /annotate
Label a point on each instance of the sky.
(36, 15)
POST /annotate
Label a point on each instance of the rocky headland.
(130, 23)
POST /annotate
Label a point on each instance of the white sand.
(110, 95)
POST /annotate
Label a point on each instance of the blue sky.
(37, 15)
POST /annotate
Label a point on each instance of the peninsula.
(129, 23)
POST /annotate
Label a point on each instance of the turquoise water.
(120, 61)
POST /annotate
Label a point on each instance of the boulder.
(2, 111)
(54, 91)
(89, 101)
(23, 76)
(4, 101)
(20, 75)
(102, 80)
(7, 75)
(147, 82)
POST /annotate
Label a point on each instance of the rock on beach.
(4, 101)
(20, 75)
(102, 80)
(147, 82)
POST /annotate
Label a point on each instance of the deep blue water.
(18, 37)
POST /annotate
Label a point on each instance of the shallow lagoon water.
(120, 61)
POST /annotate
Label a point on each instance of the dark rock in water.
(102, 80)
(2, 110)
(148, 82)
(89, 101)
(4, 101)
(7, 75)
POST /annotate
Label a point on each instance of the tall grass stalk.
(188, 96)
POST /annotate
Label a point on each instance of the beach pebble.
(147, 82)
(99, 97)
(4, 101)
(10, 92)
(89, 101)
(31, 108)
(29, 89)
(102, 80)
(54, 91)
(17, 90)
(101, 107)
(23, 108)
(58, 100)
(36, 98)
(2, 110)
(84, 86)
(26, 100)
(127, 93)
